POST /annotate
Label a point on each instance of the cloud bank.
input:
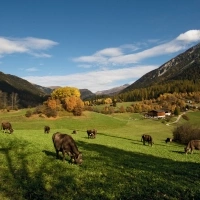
(115, 56)
(27, 45)
(95, 80)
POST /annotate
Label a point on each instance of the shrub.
(185, 133)
(185, 117)
(39, 109)
(177, 111)
(77, 111)
(28, 113)
(50, 112)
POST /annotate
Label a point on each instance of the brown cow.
(168, 140)
(6, 126)
(91, 133)
(147, 138)
(46, 129)
(65, 143)
(192, 145)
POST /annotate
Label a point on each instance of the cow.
(192, 145)
(168, 140)
(46, 129)
(7, 126)
(65, 143)
(91, 133)
(74, 132)
(147, 138)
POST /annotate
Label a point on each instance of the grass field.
(116, 164)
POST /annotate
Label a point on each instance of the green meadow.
(116, 164)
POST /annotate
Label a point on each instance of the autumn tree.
(108, 101)
(69, 97)
(64, 92)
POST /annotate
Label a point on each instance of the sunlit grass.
(116, 164)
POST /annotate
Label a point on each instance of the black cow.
(65, 143)
(46, 129)
(168, 140)
(91, 133)
(6, 126)
(147, 138)
(192, 145)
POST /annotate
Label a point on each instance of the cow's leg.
(143, 142)
(63, 153)
(57, 154)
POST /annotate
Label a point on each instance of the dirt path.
(176, 119)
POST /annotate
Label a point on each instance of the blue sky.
(93, 44)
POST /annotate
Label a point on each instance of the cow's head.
(11, 130)
(78, 159)
(186, 149)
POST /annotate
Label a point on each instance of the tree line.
(153, 92)
(9, 101)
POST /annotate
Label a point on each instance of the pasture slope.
(116, 164)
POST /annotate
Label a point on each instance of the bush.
(50, 112)
(28, 113)
(185, 133)
(39, 109)
(185, 117)
(77, 111)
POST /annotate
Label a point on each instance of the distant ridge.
(112, 91)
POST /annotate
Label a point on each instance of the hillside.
(28, 94)
(185, 66)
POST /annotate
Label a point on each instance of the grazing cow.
(147, 138)
(65, 143)
(46, 129)
(6, 126)
(92, 133)
(168, 140)
(193, 144)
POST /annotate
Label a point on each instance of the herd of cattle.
(65, 143)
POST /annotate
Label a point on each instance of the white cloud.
(28, 45)
(109, 52)
(114, 56)
(33, 69)
(190, 36)
(95, 80)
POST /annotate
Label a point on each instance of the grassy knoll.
(116, 164)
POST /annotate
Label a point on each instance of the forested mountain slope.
(185, 66)
(27, 93)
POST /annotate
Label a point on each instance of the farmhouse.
(156, 113)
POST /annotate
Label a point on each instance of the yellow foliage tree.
(108, 101)
(65, 92)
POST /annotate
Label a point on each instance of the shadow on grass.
(49, 153)
(107, 173)
(179, 152)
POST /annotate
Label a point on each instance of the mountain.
(45, 90)
(112, 91)
(86, 94)
(185, 66)
(28, 94)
